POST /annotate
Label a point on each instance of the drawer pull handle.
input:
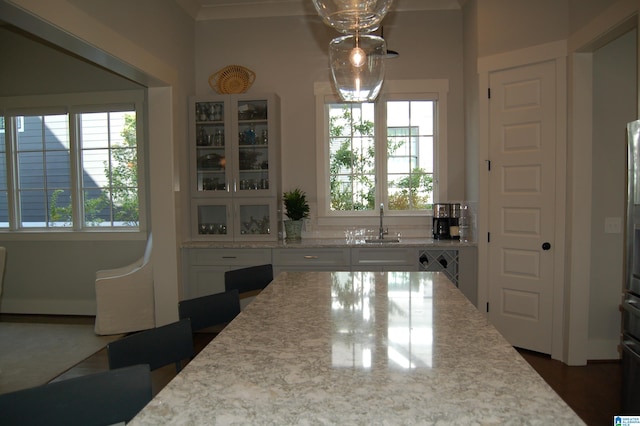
(229, 257)
(310, 257)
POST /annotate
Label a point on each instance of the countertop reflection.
(358, 348)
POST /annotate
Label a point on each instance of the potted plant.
(296, 209)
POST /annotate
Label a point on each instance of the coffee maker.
(454, 221)
(441, 216)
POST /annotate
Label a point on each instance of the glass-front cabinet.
(235, 142)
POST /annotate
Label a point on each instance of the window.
(71, 166)
(391, 152)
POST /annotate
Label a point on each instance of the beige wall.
(507, 25)
(614, 100)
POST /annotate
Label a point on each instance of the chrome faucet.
(382, 232)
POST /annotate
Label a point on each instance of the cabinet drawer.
(312, 256)
(229, 256)
(384, 257)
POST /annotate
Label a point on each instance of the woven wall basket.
(232, 79)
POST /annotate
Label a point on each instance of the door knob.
(546, 246)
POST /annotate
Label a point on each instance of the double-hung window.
(391, 152)
(71, 162)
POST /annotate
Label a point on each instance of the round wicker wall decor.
(232, 79)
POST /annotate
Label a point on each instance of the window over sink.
(390, 152)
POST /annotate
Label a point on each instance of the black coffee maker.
(441, 221)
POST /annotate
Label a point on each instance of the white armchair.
(125, 297)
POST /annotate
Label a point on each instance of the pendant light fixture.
(357, 66)
(356, 59)
(349, 16)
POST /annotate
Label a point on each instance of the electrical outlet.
(612, 225)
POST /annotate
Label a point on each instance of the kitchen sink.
(381, 240)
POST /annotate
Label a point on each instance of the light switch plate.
(612, 225)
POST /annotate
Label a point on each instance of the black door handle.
(546, 246)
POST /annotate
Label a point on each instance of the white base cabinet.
(312, 259)
(384, 259)
(205, 267)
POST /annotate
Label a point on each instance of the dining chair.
(212, 312)
(104, 398)
(248, 281)
(160, 346)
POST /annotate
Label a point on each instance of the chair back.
(171, 343)
(207, 311)
(248, 279)
(104, 398)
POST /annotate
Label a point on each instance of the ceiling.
(204, 10)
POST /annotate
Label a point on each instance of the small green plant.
(295, 203)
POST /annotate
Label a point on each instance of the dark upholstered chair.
(160, 346)
(210, 313)
(248, 281)
(104, 398)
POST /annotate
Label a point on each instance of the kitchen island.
(358, 348)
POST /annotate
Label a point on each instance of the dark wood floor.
(592, 391)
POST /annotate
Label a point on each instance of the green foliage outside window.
(352, 170)
(123, 189)
(124, 176)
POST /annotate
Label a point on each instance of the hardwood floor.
(592, 391)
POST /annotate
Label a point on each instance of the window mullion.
(12, 177)
(380, 133)
(75, 162)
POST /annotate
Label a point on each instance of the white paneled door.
(522, 143)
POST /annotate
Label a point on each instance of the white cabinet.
(205, 268)
(235, 167)
(311, 259)
(384, 259)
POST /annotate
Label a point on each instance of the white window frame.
(74, 104)
(423, 89)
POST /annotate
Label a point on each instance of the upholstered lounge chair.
(125, 297)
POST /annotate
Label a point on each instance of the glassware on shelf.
(219, 138)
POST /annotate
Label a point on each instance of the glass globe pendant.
(357, 66)
(349, 16)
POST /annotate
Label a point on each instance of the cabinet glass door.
(256, 219)
(211, 146)
(253, 147)
(212, 221)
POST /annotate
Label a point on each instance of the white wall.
(614, 101)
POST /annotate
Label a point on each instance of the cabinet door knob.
(546, 246)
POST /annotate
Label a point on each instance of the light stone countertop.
(332, 243)
(358, 348)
